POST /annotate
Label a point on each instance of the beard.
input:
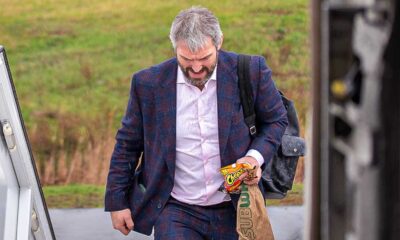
(198, 82)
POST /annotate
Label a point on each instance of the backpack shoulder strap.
(246, 93)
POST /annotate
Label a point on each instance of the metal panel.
(353, 36)
(20, 166)
(9, 193)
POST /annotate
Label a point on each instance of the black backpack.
(278, 175)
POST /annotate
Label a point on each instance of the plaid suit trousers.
(183, 221)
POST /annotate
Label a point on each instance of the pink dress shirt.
(197, 176)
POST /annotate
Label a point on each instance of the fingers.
(123, 230)
(122, 227)
(129, 222)
(243, 176)
(249, 160)
(247, 178)
(122, 221)
(255, 180)
(251, 182)
(241, 160)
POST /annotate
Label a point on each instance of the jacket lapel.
(226, 87)
(166, 106)
(165, 98)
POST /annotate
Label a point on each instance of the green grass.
(72, 60)
(74, 196)
(92, 196)
(294, 197)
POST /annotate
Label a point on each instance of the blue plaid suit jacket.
(149, 126)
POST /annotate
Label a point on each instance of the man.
(185, 116)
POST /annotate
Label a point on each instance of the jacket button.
(159, 205)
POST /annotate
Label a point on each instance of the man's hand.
(253, 162)
(122, 221)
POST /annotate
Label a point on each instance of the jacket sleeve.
(271, 114)
(127, 151)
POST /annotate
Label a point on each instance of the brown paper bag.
(252, 222)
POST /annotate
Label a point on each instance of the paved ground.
(95, 224)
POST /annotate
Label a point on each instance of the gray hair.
(194, 26)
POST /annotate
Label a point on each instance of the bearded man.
(183, 122)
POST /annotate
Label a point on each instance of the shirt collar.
(181, 77)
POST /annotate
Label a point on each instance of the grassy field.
(74, 196)
(92, 196)
(294, 197)
(72, 62)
